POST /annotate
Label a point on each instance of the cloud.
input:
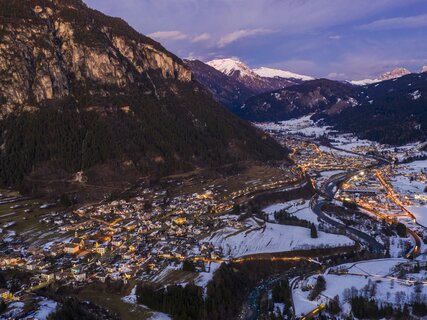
(396, 23)
(201, 37)
(239, 34)
(168, 35)
(336, 75)
(305, 32)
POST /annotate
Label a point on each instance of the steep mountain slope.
(392, 111)
(394, 74)
(80, 91)
(225, 89)
(232, 82)
(308, 97)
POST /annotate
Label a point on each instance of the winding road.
(369, 240)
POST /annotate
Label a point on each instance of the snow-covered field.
(270, 210)
(272, 239)
(361, 274)
(346, 141)
(350, 142)
(402, 183)
(307, 127)
(420, 213)
(380, 267)
(299, 208)
(303, 125)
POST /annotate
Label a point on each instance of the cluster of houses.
(312, 159)
(120, 240)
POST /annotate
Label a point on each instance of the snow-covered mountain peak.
(272, 73)
(230, 66)
(394, 74)
(263, 80)
(424, 69)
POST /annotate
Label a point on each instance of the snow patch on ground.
(388, 289)
(160, 316)
(131, 298)
(13, 310)
(204, 277)
(415, 95)
(46, 307)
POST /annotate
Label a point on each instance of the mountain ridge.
(272, 73)
(84, 92)
(390, 75)
(231, 82)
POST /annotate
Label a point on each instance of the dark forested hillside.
(393, 111)
(80, 91)
(308, 97)
(225, 89)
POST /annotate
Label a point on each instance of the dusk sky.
(338, 39)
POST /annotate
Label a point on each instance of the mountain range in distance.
(338, 103)
(232, 82)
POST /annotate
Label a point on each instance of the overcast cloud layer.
(342, 39)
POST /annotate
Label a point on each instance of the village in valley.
(363, 195)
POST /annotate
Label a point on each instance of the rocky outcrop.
(394, 74)
(47, 58)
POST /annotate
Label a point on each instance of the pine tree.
(313, 231)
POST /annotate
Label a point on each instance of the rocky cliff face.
(83, 93)
(55, 47)
(394, 74)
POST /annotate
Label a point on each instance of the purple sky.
(342, 39)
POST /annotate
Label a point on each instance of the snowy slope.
(238, 71)
(230, 66)
(275, 238)
(388, 288)
(271, 73)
